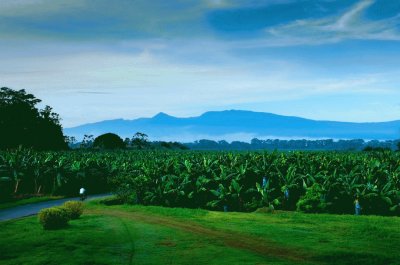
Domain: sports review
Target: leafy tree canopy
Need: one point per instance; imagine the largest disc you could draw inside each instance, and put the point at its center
(109, 141)
(23, 124)
(140, 141)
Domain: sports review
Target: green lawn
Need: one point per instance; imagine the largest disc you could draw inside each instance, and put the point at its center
(156, 235)
(11, 204)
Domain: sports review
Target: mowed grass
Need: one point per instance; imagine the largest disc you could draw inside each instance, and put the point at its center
(326, 238)
(157, 235)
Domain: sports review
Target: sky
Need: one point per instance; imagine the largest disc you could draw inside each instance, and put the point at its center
(94, 60)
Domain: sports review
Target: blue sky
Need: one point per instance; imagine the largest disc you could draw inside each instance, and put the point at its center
(96, 59)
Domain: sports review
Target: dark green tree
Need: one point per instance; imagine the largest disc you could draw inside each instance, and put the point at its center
(87, 141)
(108, 141)
(23, 124)
(140, 141)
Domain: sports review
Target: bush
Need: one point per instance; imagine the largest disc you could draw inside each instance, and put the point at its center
(269, 209)
(109, 141)
(129, 189)
(313, 201)
(53, 218)
(112, 201)
(74, 208)
(6, 187)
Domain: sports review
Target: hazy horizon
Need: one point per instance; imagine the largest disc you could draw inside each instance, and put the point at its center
(101, 60)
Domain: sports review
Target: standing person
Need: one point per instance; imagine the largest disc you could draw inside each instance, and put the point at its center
(357, 206)
(82, 193)
(264, 182)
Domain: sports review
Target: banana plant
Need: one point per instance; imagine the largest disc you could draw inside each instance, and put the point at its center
(222, 195)
(59, 173)
(199, 194)
(266, 195)
(18, 163)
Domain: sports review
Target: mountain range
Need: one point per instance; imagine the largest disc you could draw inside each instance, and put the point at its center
(231, 125)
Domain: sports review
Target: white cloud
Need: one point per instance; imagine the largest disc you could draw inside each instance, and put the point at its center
(346, 26)
(351, 16)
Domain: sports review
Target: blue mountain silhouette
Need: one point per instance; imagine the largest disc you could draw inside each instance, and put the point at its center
(240, 124)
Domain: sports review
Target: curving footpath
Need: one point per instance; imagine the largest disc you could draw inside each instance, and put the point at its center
(34, 208)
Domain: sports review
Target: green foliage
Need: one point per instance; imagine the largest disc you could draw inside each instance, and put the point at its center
(109, 201)
(74, 208)
(267, 209)
(140, 141)
(87, 141)
(213, 179)
(23, 124)
(54, 218)
(168, 145)
(313, 201)
(108, 141)
(376, 149)
(128, 189)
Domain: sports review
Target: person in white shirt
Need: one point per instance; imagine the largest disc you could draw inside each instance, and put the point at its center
(82, 193)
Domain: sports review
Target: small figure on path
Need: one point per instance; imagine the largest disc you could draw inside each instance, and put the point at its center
(82, 193)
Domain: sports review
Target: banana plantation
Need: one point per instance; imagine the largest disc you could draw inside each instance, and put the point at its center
(242, 181)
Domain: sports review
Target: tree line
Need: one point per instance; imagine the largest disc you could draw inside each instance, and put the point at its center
(303, 144)
(111, 141)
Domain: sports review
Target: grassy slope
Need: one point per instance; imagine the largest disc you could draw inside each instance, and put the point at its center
(155, 235)
(31, 200)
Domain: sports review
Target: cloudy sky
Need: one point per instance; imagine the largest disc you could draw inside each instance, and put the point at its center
(93, 60)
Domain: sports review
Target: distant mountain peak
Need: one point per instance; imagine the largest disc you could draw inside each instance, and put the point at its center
(162, 115)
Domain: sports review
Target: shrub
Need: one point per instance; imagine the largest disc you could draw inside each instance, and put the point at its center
(269, 209)
(109, 141)
(313, 201)
(129, 189)
(53, 218)
(74, 208)
(111, 201)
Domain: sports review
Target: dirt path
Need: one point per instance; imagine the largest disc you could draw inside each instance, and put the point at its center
(231, 239)
(34, 208)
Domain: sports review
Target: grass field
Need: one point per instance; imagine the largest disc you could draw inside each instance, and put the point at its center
(156, 235)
